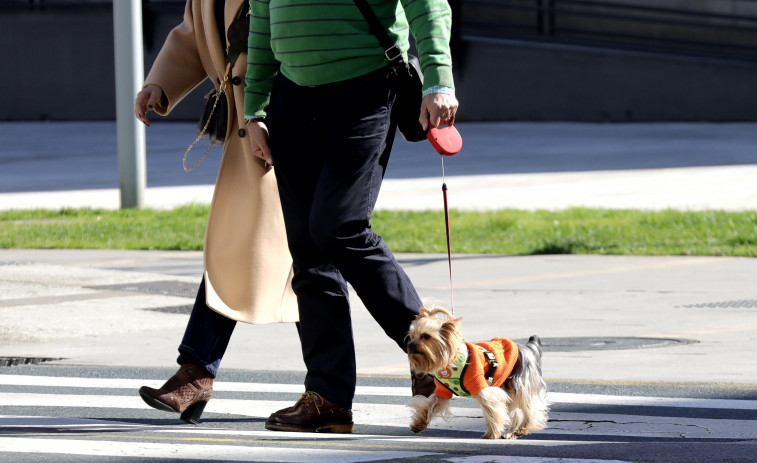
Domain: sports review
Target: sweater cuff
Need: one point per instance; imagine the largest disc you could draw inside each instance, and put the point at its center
(439, 89)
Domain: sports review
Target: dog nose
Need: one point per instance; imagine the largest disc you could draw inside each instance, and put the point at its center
(411, 347)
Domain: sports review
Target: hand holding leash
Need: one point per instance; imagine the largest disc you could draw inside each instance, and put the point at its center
(436, 109)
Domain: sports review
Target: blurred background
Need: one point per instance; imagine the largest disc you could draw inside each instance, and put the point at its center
(516, 60)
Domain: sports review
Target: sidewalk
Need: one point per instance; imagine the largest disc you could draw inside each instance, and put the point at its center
(602, 318)
(609, 318)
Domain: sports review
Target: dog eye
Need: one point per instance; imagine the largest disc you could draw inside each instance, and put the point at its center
(425, 336)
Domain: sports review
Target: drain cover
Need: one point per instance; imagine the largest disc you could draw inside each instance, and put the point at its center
(609, 343)
(740, 304)
(165, 288)
(13, 361)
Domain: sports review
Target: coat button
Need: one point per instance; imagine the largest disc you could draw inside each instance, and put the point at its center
(236, 80)
(242, 133)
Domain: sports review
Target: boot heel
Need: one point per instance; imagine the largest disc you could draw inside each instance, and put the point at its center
(192, 414)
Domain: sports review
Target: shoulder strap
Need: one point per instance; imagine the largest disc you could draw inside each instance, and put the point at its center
(391, 50)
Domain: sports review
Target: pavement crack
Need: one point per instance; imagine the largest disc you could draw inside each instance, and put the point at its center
(589, 424)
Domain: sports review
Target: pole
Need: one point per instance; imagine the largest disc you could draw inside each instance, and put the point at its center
(127, 32)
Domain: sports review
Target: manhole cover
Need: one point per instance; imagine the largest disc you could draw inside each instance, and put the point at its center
(609, 343)
(13, 361)
(740, 304)
(165, 288)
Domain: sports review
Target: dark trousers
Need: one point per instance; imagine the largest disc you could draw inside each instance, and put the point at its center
(330, 146)
(206, 337)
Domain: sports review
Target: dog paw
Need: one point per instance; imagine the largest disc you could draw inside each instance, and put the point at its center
(491, 435)
(418, 425)
(416, 428)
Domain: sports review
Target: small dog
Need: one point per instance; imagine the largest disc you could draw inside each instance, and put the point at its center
(504, 377)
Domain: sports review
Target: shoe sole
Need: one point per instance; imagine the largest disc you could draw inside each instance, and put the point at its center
(341, 428)
(155, 403)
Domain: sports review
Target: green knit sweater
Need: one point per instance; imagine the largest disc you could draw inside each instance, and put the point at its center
(319, 42)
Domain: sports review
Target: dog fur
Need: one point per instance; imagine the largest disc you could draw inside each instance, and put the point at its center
(517, 407)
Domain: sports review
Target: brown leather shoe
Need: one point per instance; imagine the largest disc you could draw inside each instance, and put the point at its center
(312, 413)
(187, 392)
(422, 384)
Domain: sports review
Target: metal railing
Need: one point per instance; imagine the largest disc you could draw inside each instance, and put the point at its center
(712, 28)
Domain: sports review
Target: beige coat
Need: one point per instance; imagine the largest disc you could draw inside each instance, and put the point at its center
(248, 268)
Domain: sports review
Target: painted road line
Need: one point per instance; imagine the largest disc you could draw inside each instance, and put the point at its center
(197, 451)
(600, 399)
(464, 419)
(554, 397)
(57, 425)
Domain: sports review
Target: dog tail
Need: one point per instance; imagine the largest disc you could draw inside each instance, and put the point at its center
(534, 345)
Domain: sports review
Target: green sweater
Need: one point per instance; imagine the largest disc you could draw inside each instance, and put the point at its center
(319, 42)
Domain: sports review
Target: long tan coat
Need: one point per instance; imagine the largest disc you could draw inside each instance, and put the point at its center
(248, 268)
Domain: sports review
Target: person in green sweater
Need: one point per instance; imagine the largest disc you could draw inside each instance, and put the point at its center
(318, 106)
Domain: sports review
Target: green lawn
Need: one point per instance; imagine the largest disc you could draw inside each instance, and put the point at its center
(573, 231)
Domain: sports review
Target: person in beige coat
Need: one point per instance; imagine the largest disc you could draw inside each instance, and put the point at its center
(247, 265)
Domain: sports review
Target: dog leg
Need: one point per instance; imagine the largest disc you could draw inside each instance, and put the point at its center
(494, 403)
(425, 409)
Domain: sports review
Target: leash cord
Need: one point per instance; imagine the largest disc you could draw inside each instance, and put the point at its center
(449, 248)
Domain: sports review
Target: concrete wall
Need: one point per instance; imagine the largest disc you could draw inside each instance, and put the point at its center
(58, 65)
(510, 80)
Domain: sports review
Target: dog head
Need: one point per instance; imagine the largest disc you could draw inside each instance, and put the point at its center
(434, 340)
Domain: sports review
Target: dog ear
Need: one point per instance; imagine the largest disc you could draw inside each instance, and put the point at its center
(450, 330)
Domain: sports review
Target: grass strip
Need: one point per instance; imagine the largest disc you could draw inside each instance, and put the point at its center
(512, 232)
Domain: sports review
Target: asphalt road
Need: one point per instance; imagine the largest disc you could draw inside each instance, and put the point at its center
(93, 414)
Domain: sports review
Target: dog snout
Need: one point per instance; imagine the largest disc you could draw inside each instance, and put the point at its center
(412, 348)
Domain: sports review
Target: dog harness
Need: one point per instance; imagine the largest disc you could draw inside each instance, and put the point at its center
(477, 366)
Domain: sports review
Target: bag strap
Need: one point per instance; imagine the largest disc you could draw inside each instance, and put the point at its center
(392, 52)
(216, 96)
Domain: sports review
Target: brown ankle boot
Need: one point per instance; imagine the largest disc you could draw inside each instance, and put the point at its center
(187, 392)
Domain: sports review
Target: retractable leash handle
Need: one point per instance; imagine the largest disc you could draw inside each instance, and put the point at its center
(447, 142)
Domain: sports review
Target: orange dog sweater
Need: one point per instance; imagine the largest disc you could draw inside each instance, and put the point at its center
(467, 374)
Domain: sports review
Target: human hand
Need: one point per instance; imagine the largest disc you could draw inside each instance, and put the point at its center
(436, 109)
(145, 101)
(258, 134)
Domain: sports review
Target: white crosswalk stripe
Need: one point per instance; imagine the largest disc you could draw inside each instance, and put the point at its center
(32, 434)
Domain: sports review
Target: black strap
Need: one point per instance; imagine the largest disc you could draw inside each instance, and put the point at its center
(493, 365)
(391, 50)
(237, 34)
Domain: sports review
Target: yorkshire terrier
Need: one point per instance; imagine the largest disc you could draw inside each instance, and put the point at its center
(504, 377)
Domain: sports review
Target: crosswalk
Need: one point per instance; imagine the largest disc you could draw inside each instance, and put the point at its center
(71, 418)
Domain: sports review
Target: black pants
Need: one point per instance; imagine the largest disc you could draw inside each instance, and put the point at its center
(330, 146)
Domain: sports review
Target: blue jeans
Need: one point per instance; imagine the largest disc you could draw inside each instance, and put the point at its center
(330, 146)
(206, 337)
